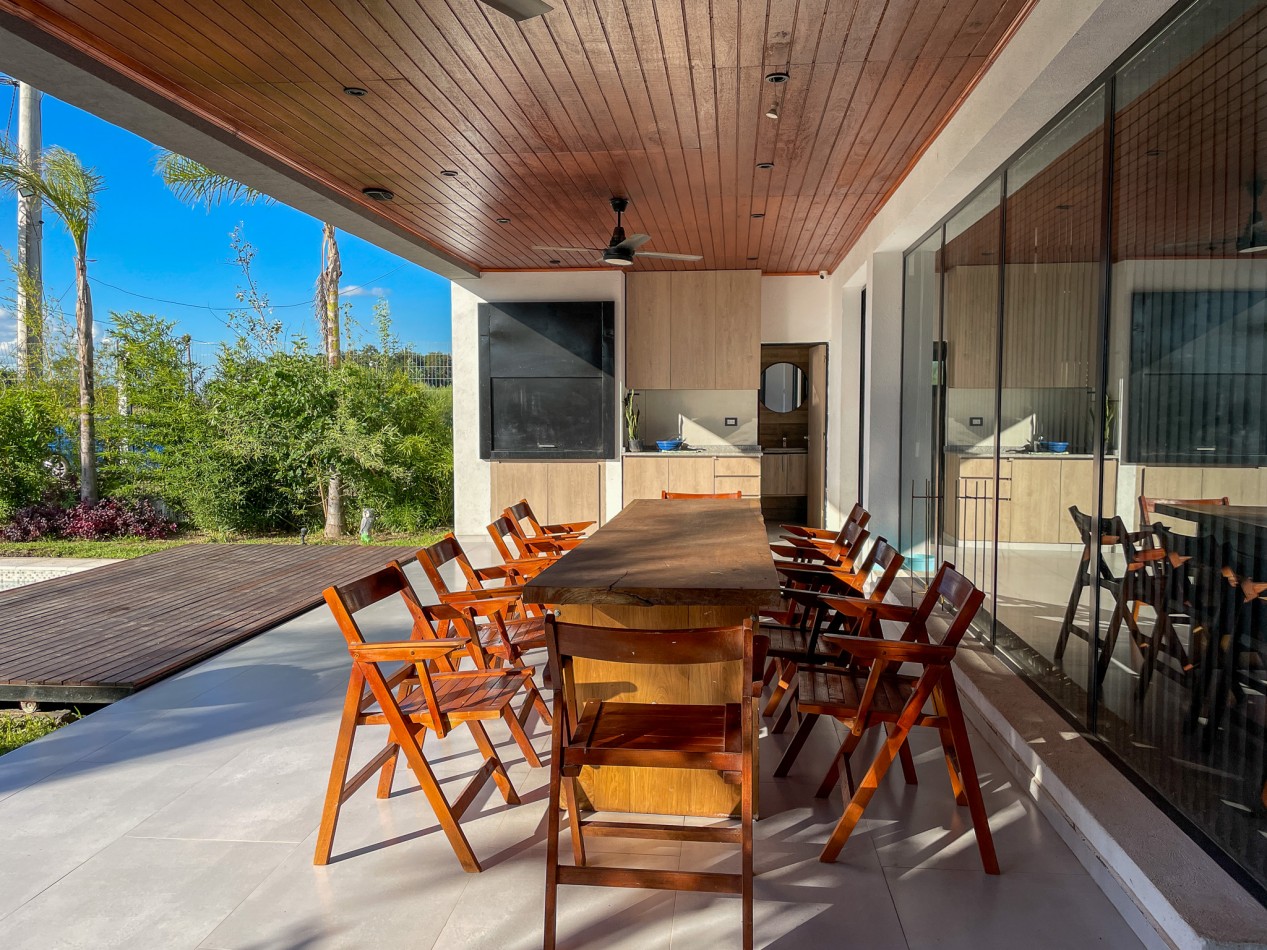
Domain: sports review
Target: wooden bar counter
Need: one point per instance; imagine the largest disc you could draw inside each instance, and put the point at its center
(664, 565)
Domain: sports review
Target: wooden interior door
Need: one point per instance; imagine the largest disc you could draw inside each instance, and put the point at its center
(816, 477)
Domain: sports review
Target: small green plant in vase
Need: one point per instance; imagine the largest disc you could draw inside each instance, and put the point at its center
(631, 421)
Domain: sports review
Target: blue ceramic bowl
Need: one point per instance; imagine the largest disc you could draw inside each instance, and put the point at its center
(1056, 446)
(668, 445)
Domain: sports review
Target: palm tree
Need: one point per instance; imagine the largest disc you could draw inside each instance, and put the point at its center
(195, 183)
(70, 191)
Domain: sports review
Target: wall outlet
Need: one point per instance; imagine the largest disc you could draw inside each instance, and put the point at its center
(732, 420)
(976, 421)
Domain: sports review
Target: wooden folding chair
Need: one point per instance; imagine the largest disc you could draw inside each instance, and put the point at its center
(523, 562)
(857, 515)
(1148, 507)
(537, 538)
(872, 691)
(425, 694)
(665, 494)
(657, 735)
(840, 552)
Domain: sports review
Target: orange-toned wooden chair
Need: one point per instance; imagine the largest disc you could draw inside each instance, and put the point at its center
(1148, 507)
(857, 515)
(522, 511)
(839, 553)
(795, 644)
(537, 538)
(426, 694)
(717, 738)
(872, 691)
(687, 495)
(520, 558)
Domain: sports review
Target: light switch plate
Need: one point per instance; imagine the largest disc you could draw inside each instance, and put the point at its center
(976, 421)
(732, 420)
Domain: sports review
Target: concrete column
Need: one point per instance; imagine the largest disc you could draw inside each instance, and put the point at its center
(883, 354)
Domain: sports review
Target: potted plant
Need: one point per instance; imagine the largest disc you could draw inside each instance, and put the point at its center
(631, 421)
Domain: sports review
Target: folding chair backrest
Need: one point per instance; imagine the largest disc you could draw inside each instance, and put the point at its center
(348, 599)
(501, 529)
(1148, 506)
(435, 556)
(959, 596)
(521, 511)
(849, 542)
(1193, 567)
(888, 560)
(858, 515)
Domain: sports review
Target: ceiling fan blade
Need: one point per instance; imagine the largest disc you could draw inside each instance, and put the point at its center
(672, 257)
(519, 10)
(634, 241)
(569, 250)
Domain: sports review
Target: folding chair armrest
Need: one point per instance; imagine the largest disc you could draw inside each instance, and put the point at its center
(487, 606)
(877, 609)
(807, 532)
(542, 544)
(808, 552)
(462, 598)
(900, 651)
(407, 651)
(567, 527)
(492, 572)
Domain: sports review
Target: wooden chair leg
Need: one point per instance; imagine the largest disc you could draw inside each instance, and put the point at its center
(866, 790)
(435, 796)
(485, 745)
(521, 738)
(771, 668)
(907, 760)
(1071, 613)
(968, 769)
(573, 803)
(790, 709)
(339, 768)
(786, 678)
(797, 743)
(948, 751)
(833, 771)
(1110, 641)
(552, 831)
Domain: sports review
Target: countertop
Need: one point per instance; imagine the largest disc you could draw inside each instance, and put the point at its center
(1026, 455)
(753, 451)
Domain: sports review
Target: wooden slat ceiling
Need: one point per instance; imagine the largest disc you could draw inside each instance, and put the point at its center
(662, 101)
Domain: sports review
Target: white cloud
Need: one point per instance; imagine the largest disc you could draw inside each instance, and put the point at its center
(359, 290)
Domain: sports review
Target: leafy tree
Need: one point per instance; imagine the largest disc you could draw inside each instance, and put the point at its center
(29, 420)
(70, 190)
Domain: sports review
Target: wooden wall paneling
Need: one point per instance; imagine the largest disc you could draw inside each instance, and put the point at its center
(512, 481)
(693, 330)
(738, 330)
(645, 476)
(648, 319)
(575, 491)
(691, 474)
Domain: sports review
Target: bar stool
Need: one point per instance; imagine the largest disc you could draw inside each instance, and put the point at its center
(715, 738)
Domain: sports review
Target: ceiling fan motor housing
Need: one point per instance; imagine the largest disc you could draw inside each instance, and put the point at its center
(618, 255)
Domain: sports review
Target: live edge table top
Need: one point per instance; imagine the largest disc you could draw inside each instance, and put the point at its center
(677, 552)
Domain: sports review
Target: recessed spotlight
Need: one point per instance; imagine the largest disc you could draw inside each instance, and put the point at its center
(777, 78)
(555, 260)
(758, 214)
(355, 91)
(378, 194)
(449, 173)
(1063, 207)
(503, 220)
(765, 165)
(752, 258)
(1154, 152)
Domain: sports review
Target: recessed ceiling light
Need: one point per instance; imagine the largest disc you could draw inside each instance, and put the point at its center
(777, 78)
(378, 194)
(758, 214)
(449, 173)
(555, 260)
(503, 220)
(1063, 207)
(752, 258)
(355, 91)
(1154, 152)
(765, 165)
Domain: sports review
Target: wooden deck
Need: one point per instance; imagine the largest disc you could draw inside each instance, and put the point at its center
(96, 636)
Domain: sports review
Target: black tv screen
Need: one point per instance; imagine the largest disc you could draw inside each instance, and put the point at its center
(547, 387)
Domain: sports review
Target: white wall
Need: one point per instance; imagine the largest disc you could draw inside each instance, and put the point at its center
(472, 475)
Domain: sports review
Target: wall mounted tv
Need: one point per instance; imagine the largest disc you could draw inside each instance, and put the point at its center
(547, 383)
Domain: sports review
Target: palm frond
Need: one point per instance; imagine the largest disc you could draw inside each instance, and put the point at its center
(195, 184)
(61, 180)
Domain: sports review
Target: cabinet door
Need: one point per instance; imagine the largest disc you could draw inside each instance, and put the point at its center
(645, 477)
(751, 487)
(795, 473)
(693, 330)
(691, 475)
(1036, 513)
(738, 347)
(575, 492)
(773, 480)
(512, 481)
(647, 320)
(745, 466)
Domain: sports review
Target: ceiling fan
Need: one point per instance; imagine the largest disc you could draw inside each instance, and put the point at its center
(1251, 240)
(621, 250)
(519, 10)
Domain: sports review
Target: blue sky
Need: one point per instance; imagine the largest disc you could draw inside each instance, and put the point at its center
(145, 243)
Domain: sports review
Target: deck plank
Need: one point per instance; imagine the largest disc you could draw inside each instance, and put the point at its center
(106, 632)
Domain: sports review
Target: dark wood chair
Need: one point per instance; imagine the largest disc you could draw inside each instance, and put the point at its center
(796, 643)
(522, 564)
(536, 538)
(857, 515)
(873, 691)
(521, 511)
(715, 738)
(686, 494)
(838, 553)
(425, 694)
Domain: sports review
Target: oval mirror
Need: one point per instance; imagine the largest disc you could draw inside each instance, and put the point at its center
(782, 387)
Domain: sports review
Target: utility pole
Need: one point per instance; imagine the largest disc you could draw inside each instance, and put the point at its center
(30, 295)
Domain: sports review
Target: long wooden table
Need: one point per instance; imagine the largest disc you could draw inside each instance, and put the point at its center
(664, 565)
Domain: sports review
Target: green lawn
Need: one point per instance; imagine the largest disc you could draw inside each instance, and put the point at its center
(18, 730)
(135, 547)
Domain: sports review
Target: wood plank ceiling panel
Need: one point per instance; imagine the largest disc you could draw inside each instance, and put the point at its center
(662, 101)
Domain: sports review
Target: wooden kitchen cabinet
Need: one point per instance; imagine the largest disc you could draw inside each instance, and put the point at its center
(645, 476)
(773, 477)
(795, 473)
(693, 475)
(693, 330)
(784, 474)
(558, 491)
